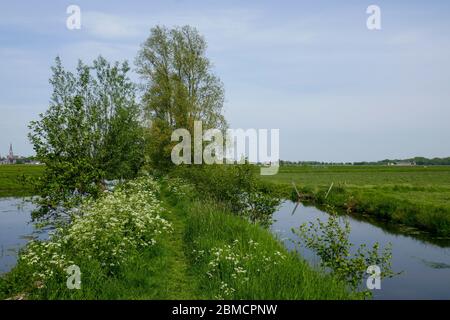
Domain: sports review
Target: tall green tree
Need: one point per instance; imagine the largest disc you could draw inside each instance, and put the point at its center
(90, 132)
(179, 87)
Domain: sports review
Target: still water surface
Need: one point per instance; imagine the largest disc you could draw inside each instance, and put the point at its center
(16, 229)
(425, 262)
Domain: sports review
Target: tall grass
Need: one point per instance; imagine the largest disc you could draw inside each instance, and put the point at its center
(234, 259)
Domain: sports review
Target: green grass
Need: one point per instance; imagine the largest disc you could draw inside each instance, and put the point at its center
(415, 196)
(173, 269)
(210, 226)
(11, 176)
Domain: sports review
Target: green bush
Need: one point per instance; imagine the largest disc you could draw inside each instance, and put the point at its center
(330, 241)
(235, 186)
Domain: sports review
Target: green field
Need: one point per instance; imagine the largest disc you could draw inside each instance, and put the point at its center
(11, 184)
(416, 196)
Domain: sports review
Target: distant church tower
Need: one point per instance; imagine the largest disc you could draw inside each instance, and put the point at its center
(11, 158)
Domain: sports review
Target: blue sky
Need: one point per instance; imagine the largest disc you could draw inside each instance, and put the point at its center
(336, 91)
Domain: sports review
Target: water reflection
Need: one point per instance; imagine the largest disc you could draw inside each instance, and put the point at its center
(424, 261)
(16, 230)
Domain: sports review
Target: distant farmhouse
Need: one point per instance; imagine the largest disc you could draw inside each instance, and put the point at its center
(11, 158)
(403, 163)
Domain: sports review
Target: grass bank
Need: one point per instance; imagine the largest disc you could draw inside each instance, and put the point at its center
(414, 196)
(148, 242)
(11, 179)
(234, 259)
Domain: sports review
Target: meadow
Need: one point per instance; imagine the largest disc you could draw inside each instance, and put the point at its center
(416, 196)
(12, 182)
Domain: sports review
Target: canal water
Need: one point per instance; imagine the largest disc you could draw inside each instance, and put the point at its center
(16, 229)
(424, 261)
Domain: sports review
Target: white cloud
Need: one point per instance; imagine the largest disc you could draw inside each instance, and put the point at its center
(222, 28)
(110, 26)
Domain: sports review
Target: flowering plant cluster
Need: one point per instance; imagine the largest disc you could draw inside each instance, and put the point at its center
(105, 230)
(232, 268)
(180, 188)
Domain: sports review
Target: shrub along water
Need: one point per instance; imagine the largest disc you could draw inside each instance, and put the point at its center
(330, 241)
(236, 187)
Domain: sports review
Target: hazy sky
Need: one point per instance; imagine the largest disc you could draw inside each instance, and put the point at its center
(336, 90)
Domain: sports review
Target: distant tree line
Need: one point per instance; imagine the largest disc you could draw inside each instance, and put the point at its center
(420, 161)
(313, 163)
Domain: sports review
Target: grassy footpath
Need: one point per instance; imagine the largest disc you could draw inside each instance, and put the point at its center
(414, 196)
(11, 179)
(233, 259)
(208, 254)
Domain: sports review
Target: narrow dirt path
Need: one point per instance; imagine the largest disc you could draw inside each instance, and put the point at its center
(181, 284)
